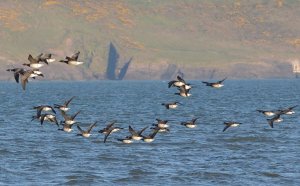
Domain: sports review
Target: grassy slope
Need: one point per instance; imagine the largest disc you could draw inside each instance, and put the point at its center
(189, 33)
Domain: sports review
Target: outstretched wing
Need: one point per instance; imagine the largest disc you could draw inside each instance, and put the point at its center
(74, 116)
(180, 79)
(91, 127)
(171, 83)
(75, 56)
(132, 131)
(31, 59)
(194, 120)
(110, 125)
(206, 83)
(222, 80)
(68, 101)
(271, 121)
(142, 130)
(154, 133)
(24, 78)
(64, 115)
(107, 134)
(39, 56)
(226, 127)
(79, 128)
(55, 120)
(17, 75)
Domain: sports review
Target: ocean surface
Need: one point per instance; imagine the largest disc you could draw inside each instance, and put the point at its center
(250, 154)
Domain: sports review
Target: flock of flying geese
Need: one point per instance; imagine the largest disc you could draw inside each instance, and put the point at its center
(43, 111)
(36, 63)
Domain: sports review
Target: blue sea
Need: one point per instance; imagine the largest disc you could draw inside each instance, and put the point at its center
(250, 154)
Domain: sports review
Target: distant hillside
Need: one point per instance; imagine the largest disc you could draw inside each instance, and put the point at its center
(202, 39)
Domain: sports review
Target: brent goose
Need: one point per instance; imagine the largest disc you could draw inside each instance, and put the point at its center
(172, 105)
(65, 106)
(73, 60)
(161, 126)
(267, 112)
(46, 117)
(161, 123)
(150, 137)
(109, 127)
(288, 111)
(217, 84)
(108, 132)
(127, 139)
(34, 62)
(86, 133)
(47, 58)
(66, 127)
(177, 83)
(136, 135)
(50, 118)
(230, 124)
(190, 124)
(106, 129)
(183, 92)
(156, 127)
(69, 120)
(43, 108)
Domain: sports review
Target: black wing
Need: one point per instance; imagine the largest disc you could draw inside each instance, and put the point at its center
(74, 116)
(132, 131)
(222, 80)
(17, 75)
(226, 127)
(75, 56)
(52, 109)
(39, 111)
(110, 125)
(64, 115)
(42, 118)
(24, 78)
(140, 132)
(171, 83)
(31, 59)
(180, 79)
(293, 107)
(154, 133)
(56, 122)
(207, 83)
(194, 120)
(91, 127)
(166, 105)
(79, 128)
(47, 56)
(261, 111)
(271, 121)
(68, 101)
(107, 134)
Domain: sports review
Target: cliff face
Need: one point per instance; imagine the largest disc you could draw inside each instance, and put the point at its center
(202, 39)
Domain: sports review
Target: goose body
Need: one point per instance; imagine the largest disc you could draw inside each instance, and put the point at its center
(230, 124)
